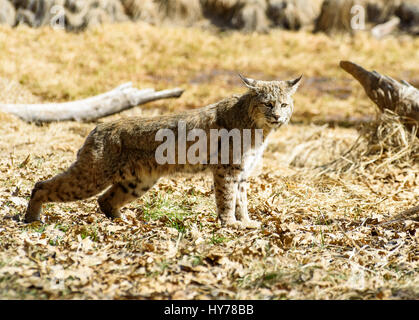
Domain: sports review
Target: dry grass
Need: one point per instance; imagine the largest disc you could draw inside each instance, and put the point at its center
(321, 236)
(62, 66)
(387, 145)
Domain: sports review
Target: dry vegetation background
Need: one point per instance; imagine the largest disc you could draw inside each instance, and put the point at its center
(325, 231)
(246, 15)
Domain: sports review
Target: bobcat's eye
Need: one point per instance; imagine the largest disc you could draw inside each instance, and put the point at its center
(270, 105)
(284, 105)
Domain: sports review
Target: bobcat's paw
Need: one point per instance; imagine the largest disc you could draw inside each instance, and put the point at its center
(251, 224)
(120, 219)
(33, 211)
(234, 224)
(35, 220)
(107, 209)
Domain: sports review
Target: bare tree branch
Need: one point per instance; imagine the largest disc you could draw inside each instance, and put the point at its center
(119, 99)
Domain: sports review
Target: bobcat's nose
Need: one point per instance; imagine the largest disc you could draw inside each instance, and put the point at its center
(276, 117)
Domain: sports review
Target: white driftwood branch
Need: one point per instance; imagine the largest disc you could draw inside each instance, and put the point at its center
(381, 30)
(114, 101)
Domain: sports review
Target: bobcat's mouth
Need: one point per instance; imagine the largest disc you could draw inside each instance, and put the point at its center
(275, 123)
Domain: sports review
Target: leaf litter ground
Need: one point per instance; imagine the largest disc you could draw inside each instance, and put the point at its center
(328, 228)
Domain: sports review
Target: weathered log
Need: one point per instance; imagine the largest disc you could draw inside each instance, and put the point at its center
(293, 14)
(71, 15)
(248, 16)
(387, 93)
(354, 15)
(7, 13)
(409, 16)
(119, 99)
(335, 16)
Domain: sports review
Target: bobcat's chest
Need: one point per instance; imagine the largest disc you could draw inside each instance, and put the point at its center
(252, 157)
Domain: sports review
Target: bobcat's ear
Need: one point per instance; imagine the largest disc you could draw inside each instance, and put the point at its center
(294, 84)
(250, 83)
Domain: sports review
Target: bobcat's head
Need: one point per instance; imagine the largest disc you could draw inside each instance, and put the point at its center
(271, 101)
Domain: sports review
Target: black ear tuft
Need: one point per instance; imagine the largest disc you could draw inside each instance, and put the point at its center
(294, 84)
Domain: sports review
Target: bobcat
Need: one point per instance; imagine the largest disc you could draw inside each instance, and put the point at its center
(122, 154)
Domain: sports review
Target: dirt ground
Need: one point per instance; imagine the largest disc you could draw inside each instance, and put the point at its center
(322, 234)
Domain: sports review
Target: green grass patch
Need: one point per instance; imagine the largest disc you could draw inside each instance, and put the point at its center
(161, 206)
(90, 232)
(217, 239)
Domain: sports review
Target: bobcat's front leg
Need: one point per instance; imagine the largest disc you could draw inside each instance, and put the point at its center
(225, 187)
(241, 206)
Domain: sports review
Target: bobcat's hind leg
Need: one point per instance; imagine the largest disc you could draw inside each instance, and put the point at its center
(74, 184)
(121, 193)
